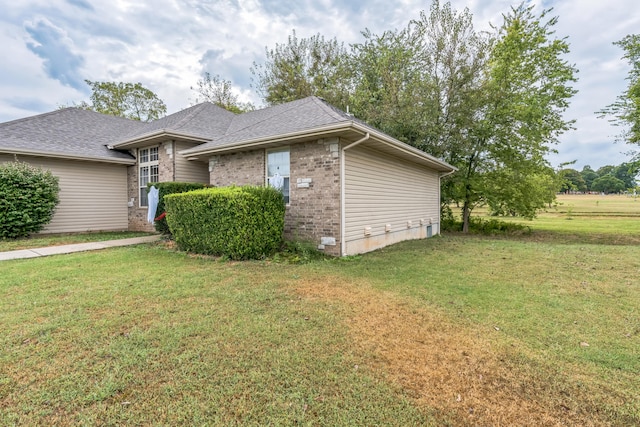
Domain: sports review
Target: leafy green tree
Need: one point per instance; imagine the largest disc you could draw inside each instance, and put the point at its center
(218, 91)
(425, 86)
(605, 170)
(608, 184)
(627, 172)
(491, 107)
(304, 67)
(519, 193)
(387, 85)
(526, 92)
(625, 111)
(571, 180)
(588, 175)
(129, 100)
(422, 84)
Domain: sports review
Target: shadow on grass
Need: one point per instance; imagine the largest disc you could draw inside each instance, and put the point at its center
(557, 237)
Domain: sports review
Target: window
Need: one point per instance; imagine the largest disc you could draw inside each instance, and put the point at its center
(148, 171)
(278, 170)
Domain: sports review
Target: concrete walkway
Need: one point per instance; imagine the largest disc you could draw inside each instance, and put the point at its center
(78, 247)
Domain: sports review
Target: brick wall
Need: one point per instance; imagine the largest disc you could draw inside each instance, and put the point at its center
(245, 168)
(313, 212)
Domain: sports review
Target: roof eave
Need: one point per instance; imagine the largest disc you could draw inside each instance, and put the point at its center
(196, 152)
(159, 135)
(39, 153)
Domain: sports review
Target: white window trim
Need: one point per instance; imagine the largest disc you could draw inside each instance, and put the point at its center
(146, 164)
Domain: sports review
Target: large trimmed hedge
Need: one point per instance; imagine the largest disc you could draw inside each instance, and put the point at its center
(28, 198)
(165, 188)
(237, 222)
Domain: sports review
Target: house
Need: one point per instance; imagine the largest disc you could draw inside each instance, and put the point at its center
(349, 188)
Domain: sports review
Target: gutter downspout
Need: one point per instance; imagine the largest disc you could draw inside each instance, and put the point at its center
(343, 244)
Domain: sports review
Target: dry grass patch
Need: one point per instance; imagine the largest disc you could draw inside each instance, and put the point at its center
(466, 378)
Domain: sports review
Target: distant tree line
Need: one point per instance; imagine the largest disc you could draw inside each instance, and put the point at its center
(607, 179)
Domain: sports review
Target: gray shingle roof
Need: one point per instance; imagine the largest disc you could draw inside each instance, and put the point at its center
(206, 120)
(295, 116)
(71, 132)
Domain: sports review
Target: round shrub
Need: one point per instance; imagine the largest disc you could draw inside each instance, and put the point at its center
(236, 222)
(28, 198)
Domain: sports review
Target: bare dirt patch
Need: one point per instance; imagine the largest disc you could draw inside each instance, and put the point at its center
(450, 370)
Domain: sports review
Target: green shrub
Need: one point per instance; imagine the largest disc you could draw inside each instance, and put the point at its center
(236, 222)
(298, 252)
(165, 188)
(496, 226)
(484, 226)
(28, 198)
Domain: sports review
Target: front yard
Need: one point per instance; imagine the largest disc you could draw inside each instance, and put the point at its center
(446, 331)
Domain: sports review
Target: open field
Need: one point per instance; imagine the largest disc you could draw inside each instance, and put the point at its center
(599, 205)
(458, 330)
(610, 219)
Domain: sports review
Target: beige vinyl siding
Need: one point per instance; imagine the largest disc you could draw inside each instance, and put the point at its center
(190, 171)
(382, 191)
(93, 195)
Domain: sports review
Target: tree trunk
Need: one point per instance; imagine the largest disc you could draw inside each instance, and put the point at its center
(466, 207)
(466, 214)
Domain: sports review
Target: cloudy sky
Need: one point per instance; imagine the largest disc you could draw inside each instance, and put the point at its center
(49, 47)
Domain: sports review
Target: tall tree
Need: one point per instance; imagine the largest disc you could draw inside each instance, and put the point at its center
(304, 67)
(422, 84)
(605, 170)
(452, 57)
(571, 180)
(589, 175)
(129, 100)
(608, 184)
(218, 91)
(625, 111)
(627, 173)
(491, 106)
(527, 90)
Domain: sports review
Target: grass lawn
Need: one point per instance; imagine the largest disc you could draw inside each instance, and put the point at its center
(454, 330)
